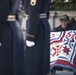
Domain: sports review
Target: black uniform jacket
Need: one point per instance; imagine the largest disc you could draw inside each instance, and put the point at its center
(71, 26)
(34, 8)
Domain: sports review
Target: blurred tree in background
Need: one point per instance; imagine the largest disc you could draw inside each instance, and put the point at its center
(62, 5)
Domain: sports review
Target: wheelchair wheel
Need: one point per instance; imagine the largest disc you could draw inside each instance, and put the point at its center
(74, 73)
(53, 72)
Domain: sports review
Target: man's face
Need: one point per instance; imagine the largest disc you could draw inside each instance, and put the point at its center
(64, 24)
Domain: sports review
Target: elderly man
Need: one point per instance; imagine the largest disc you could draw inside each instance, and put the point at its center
(65, 24)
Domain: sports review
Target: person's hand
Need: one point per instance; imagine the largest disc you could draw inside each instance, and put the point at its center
(30, 43)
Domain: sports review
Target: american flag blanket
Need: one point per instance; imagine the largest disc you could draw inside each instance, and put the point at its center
(63, 49)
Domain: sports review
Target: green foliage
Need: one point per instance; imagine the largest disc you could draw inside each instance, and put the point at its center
(63, 6)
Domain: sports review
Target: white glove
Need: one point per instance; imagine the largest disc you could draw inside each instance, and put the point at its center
(30, 43)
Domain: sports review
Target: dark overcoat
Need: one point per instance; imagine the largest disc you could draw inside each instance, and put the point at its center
(11, 41)
(37, 30)
(70, 26)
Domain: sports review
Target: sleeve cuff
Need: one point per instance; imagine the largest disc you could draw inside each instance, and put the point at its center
(11, 18)
(30, 37)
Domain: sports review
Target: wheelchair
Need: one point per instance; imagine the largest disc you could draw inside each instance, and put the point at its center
(63, 51)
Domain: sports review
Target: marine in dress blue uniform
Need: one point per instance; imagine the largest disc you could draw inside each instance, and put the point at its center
(37, 37)
(11, 40)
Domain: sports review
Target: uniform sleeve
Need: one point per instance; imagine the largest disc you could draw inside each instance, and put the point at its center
(14, 5)
(34, 11)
